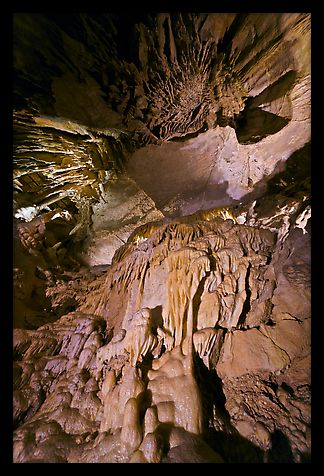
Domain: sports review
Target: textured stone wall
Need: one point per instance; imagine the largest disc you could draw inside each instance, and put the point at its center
(162, 220)
(120, 378)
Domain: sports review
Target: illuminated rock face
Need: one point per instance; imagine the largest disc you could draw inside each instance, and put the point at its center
(176, 113)
(162, 238)
(117, 393)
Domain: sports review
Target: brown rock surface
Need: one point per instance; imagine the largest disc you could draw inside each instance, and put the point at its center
(162, 238)
(148, 360)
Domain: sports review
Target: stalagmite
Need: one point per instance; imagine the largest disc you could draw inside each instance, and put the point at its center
(151, 448)
(175, 391)
(114, 401)
(162, 225)
(150, 420)
(131, 434)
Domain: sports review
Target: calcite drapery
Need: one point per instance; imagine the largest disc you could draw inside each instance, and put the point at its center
(216, 285)
(201, 328)
(137, 340)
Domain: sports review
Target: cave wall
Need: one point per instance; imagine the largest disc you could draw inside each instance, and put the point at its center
(162, 222)
(97, 96)
(123, 378)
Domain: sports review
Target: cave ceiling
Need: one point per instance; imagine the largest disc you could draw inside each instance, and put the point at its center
(120, 120)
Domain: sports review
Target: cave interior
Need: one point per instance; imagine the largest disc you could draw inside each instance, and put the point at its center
(161, 237)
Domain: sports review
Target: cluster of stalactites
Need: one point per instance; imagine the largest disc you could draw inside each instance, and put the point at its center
(171, 236)
(214, 277)
(187, 267)
(135, 341)
(218, 264)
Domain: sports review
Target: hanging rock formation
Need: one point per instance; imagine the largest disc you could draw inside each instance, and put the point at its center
(162, 220)
(195, 292)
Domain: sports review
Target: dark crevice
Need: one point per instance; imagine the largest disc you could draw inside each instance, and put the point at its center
(225, 44)
(227, 442)
(247, 302)
(280, 449)
(217, 348)
(157, 319)
(167, 50)
(253, 125)
(145, 366)
(287, 388)
(126, 39)
(270, 323)
(156, 130)
(190, 135)
(276, 90)
(212, 393)
(197, 300)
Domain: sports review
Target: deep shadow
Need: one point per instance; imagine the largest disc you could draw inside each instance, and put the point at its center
(127, 37)
(145, 366)
(225, 44)
(305, 458)
(186, 447)
(167, 50)
(247, 302)
(164, 430)
(253, 123)
(157, 319)
(226, 440)
(296, 174)
(290, 178)
(211, 392)
(144, 400)
(197, 299)
(233, 447)
(256, 124)
(280, 451)
(275, 90)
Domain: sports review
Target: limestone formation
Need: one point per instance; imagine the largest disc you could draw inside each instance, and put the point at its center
(145, 376)
(162, 227)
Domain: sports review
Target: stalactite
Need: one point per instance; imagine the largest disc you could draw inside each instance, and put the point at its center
(186, 268)
(216, 280)
(204, 341)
